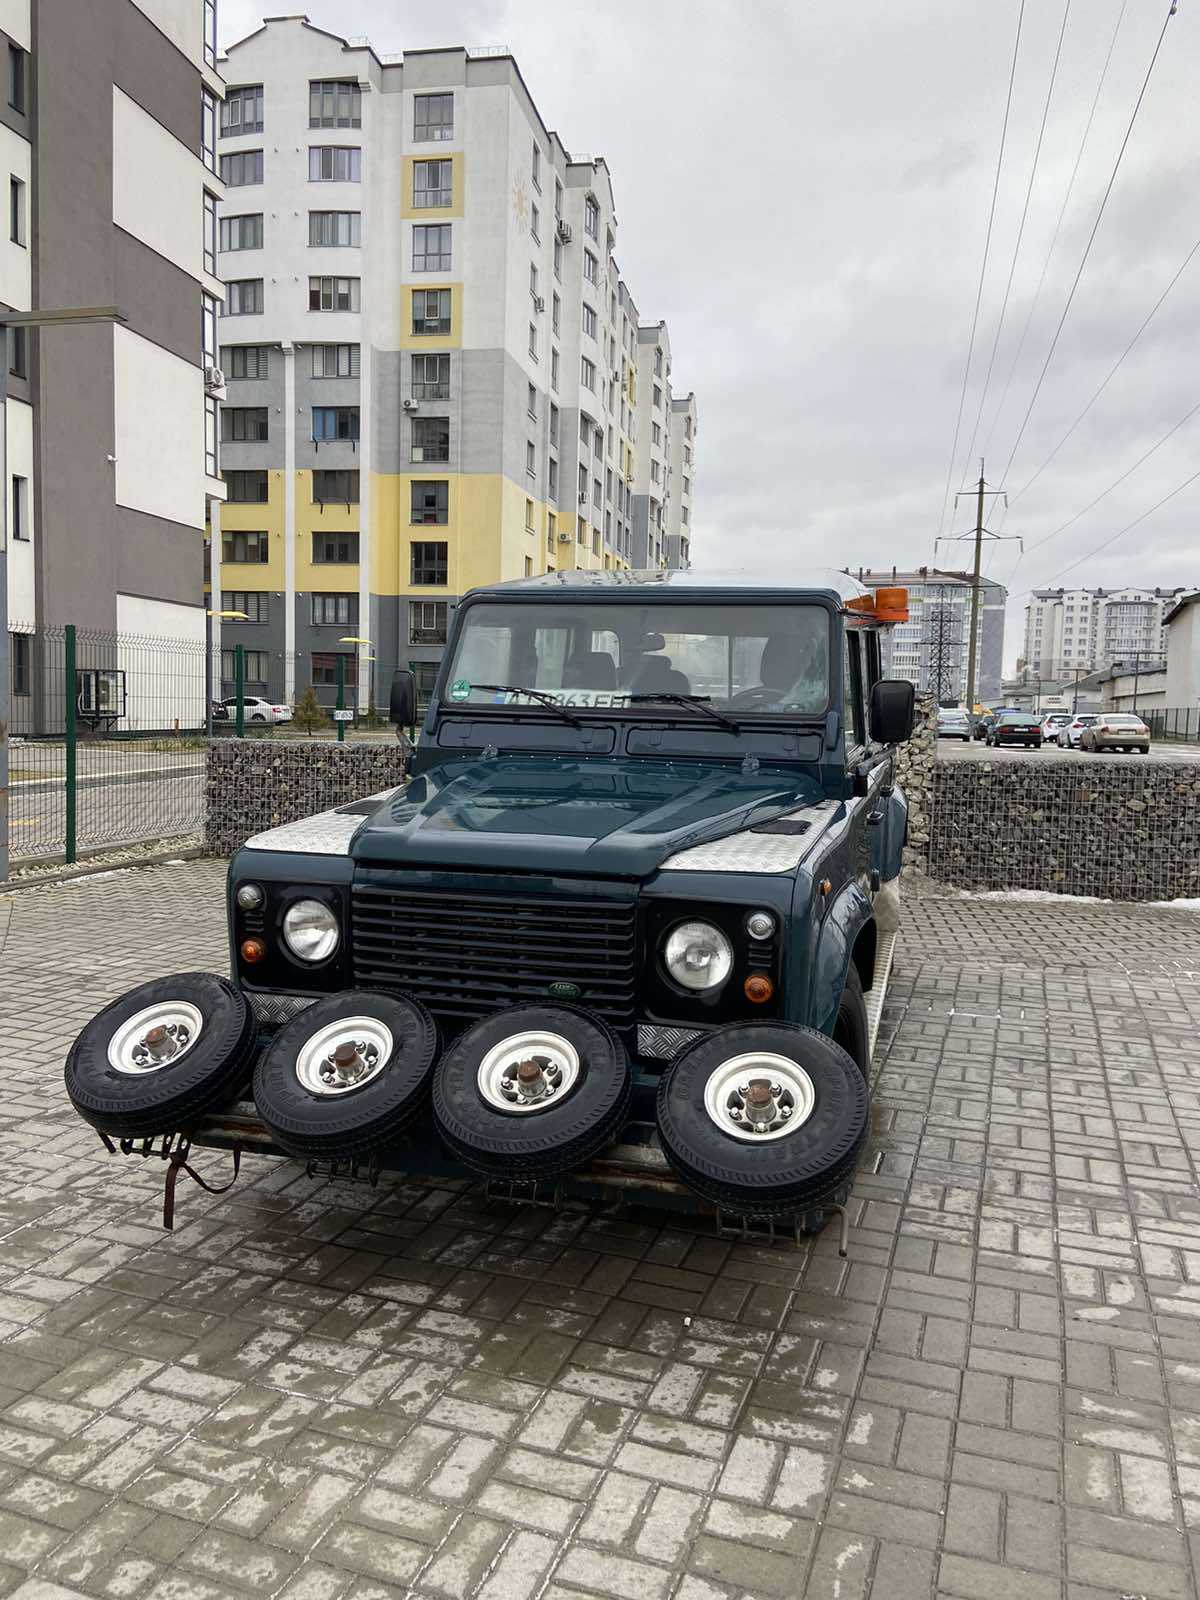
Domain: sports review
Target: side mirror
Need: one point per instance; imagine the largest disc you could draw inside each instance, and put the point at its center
(893, 702)
(402, 708)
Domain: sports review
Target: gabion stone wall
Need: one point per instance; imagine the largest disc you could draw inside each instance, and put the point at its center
(1121, 830)
(254, 784)
(914, 773)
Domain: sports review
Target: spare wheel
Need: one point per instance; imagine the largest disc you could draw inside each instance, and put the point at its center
(163, 1055)
(766, 1119)
(347, 1075)
(532, 1092)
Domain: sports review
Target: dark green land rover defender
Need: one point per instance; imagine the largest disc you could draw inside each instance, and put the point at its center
(626, 926)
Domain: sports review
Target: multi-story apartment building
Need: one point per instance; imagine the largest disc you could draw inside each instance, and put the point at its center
(1071, 629)
(683, 476)
(108, 120)
(932, 648)
(432, 362)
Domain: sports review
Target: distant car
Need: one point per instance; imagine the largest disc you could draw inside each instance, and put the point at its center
(1051, 723)
(219, 713)
(1015, 727)
(1071, 732)
(953, 723)
(983, 725)
(257, 709)
(1116, 732)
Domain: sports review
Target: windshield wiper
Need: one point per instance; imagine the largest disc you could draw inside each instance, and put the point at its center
(701, 702)
(534, 694)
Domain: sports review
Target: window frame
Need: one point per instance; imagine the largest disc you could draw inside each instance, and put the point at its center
(439, 260)
(445, 129)
(317, 224)
(347, 421)
(262, 545)
(442, 323)
(439, 490)
(318, 283)
(335, 87)
(235, 161)
(237, 97)
(325, 538)
(352, 163)
(443, 196)
(420, 564)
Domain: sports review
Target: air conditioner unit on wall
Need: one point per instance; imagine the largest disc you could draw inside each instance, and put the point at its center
(563, 230)
(214, 379)
(539, 303)
(564, 538)
(410, 405)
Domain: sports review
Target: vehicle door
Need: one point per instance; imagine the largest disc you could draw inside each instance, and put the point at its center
(869, 812)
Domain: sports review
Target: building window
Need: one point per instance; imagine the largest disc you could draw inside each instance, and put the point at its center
(430, 503)
(240, 233)
(334, 163)
(332, 423)
(241, 168)
(245, 361)
(431, 247)
(244, 424)
(552, 485)
(239, 546)
(334, 229)
(325, 669)
(431, 311)
(591, 218)
(553, 423)
(529, 516)
(246, 487)
(16, 210)
(535, 224)
(336, 485)
(210, 233)
(430, 377)
(17, 353)
(19, 656)
(254, 667)
(558, 257)
(590, 266)
(589, 320)
(335, 549)
(655, 433)
(334, 103)
(20, 507)
(657, 398)
(587, 373)
(556, 315)
(16, 78)
(243, 297)
(335, 361)
(433, 183)
(333, 294)
(433, 117)
(536, 171)
(551, 531)
(210, 436)
(333, 609)
(658, 362)
(242, 109)
(208, 129)
(427, 621)
(554, 370)
(430, 439)
(533, 341)
(531, 402)
(208, 326)
(429, 561)
(530, 458)
(255, 603)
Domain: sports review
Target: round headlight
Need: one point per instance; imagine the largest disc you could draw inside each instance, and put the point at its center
(760, 924)
(310, 930)
(698, 956)
(249, 897)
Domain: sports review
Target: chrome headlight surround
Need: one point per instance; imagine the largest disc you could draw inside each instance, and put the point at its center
(310, 931)
(698, 956)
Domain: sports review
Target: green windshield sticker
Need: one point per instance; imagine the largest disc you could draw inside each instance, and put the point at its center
(460, 689)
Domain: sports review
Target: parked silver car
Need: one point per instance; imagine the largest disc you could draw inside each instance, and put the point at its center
(953, 723)
(1116, 732)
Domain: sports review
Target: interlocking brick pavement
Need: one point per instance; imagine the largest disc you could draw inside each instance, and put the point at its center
(320, 1391)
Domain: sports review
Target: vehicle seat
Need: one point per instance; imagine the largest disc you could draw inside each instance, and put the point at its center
(590, 669)
(788, 661)
(656, 675)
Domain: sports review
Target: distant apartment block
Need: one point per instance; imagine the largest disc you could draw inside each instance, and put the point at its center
(435, 374)
(932, 648)
(1071, 629)
(108, 131)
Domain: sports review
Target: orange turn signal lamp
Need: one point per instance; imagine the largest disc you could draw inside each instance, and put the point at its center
(758, 988)
(886, 606)
(253, 951)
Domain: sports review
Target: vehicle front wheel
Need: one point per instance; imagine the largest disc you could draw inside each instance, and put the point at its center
(850, 1029)
(1145, 749)
(765, 1119)
(531, 1092)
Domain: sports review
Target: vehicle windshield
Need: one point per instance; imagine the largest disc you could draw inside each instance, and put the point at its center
(743, 659)
(1020, 719)
(1124, 722)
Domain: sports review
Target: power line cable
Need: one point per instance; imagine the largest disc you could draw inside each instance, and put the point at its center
(1062, 211)
(987, 243)
(1087, 250)
(1012, 266)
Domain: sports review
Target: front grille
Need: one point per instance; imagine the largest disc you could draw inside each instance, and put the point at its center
(465, 953)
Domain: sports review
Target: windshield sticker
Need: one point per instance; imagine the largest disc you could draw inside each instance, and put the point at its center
(460, 689)
(567, 697)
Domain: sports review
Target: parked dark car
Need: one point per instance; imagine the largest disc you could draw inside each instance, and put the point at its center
(1016, 727)
(983, 726)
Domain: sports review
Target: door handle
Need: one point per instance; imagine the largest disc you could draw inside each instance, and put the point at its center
(875, 817)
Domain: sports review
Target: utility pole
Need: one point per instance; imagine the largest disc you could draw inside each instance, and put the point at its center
(981, 492)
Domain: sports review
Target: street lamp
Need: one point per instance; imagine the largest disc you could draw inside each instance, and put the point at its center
(67, 317)
(235, 616)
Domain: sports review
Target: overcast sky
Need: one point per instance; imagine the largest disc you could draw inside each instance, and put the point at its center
(803, 193)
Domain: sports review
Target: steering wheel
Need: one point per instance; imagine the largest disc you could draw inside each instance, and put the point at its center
(757, 696)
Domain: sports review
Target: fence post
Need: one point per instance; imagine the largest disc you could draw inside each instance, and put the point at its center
(70, 690)
(341, 697)
(239, 677)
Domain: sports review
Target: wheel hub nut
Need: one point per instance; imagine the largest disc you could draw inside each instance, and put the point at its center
(348, 1063)
(760, 1102)
(159, 1042)
(531, 1080)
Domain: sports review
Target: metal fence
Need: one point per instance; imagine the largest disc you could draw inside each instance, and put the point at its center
(1175, 722)
(109, 733)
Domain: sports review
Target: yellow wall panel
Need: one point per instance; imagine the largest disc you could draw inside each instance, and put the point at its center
(431, 341)
(237, 517)
(326, 577)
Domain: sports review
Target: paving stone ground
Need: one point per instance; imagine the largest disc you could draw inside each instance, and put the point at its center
(327, 1392)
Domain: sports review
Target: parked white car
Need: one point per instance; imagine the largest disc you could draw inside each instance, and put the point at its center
(257, 709)
(1052, 725)
(1069, 733)
(953, 723)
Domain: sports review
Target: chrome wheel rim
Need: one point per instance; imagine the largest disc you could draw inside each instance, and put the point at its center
(528, 1072)
(759, 1096)
(344, 1055)
(155, 1037)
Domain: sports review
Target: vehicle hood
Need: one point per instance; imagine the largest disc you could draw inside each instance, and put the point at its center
(608, 817)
